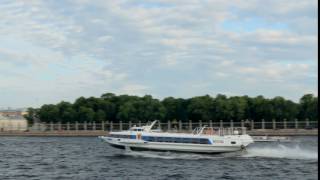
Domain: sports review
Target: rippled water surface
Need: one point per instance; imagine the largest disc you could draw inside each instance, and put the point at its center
(90, 158)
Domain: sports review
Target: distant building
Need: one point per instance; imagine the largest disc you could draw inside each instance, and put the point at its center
(13, 122)
(13, 112)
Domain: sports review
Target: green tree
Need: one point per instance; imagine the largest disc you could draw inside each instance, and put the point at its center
(200, 108)
(134, 108)
(85, 114)
(32, 115)
(222, 108)
(283, 109)
(109, 108)
(128, 112)
(308, 107)
(175, 108)
(48, 113)
(66, 112)
(81, 101)
(149, 109)
(108, 96)
(100, 116)
(238, 106)
(143, 109)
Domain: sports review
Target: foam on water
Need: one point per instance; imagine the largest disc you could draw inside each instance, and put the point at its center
(170, 155)
(282, 151)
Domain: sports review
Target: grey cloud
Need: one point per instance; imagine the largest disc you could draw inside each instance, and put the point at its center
(108, 44)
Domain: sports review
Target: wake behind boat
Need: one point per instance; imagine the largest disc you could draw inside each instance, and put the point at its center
(271, 139)
(201, 140)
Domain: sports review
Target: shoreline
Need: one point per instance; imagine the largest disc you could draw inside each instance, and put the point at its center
(92, 133)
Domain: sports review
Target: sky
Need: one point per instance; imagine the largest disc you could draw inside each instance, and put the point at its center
(52, 51)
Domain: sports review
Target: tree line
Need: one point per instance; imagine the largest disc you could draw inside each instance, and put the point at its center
(110, 107)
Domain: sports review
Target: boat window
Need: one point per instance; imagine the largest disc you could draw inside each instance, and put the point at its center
(177, 140)
(233, 142)
(203, 141)
(146, 138)
(184, 140)
(120, 136)
(151, 138)
(166, 139)
(171, 139)
(195, 141)
(161, 139)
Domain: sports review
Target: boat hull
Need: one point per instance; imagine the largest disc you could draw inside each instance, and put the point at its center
(140, 145)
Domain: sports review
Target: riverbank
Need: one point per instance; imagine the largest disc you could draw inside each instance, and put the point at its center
(257, 132)
(283, 132)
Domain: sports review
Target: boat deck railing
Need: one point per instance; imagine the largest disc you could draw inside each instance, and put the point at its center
(233, 131)
(219, 131)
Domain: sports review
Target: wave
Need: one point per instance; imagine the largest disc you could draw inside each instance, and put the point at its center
(169, 155)
(282, 151)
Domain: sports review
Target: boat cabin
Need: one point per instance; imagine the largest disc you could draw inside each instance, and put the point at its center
(136, 128)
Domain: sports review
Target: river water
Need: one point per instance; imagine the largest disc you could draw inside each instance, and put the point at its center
(89, 158)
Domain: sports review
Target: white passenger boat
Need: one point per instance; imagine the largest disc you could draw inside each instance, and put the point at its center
(201, 140)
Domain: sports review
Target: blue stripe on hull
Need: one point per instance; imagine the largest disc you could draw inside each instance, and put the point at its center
(167, 139)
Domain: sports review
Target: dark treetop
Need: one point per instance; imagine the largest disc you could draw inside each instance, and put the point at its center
(134, 108)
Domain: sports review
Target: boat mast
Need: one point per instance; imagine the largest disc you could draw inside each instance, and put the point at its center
(148, 128)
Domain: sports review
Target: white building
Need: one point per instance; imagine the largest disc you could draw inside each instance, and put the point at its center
(13, 123)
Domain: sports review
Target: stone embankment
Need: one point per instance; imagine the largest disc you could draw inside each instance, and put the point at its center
(283, 132)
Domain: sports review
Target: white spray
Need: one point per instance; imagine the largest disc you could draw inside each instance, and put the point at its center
(282, 151)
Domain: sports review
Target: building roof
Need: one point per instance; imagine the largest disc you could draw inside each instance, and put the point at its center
(11, 117)
(12, 110)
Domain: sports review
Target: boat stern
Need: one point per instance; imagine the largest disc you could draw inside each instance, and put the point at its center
(246, 140)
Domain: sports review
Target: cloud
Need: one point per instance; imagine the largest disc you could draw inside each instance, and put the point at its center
(134, 89)
(166, 48)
